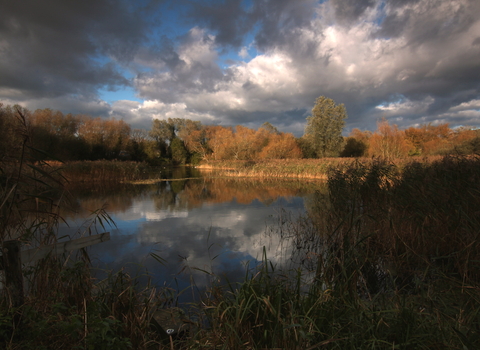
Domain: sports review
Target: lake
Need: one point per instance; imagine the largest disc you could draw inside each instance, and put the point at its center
(190, 224)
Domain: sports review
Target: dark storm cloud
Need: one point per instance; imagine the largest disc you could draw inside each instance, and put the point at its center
(278, 20)
(54, 48)
(231, 20)
(451, 75)
(409, 60)
(421, 21)
(348, 11)
(227, 19)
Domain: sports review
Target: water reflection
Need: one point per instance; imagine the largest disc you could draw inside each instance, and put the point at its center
(211, 224)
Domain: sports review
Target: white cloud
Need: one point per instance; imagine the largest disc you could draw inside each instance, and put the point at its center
(243, 53)
(466, 113)
(199, 48)
(144, 112)
(407, 106)
(470, 105)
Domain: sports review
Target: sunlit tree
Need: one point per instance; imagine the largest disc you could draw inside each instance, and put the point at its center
(281, 146)
(428, 139)
(388, 141)
(219, 140)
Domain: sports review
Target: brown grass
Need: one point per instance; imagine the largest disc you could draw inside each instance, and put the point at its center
(295, 168)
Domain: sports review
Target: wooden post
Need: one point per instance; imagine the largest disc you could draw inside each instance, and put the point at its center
(13, 259)
(13, 272)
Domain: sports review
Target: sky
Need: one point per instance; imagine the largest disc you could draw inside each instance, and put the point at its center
(244, 62)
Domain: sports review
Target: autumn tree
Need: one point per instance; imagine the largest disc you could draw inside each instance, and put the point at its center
(192, 133)
(281, 146)
(388, 141)
(219, 139)
(56, 134)
(428, 139)
(162, 132)
(165, 131)
(324, 127)
(243, 143)
(469, 144)
(196, 144)
(184, 127)
(116, 136)
(104, 137)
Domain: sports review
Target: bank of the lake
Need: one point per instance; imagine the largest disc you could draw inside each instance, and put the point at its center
(296, 168)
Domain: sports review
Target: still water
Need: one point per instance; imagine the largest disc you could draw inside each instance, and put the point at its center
(177, 229)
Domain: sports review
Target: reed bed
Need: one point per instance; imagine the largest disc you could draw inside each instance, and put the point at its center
(102, 171)
(293, 168)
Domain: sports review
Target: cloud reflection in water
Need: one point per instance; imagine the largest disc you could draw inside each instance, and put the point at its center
(210, 224)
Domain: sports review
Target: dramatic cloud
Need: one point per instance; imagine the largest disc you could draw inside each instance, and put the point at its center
(54, 48)
(246, 62)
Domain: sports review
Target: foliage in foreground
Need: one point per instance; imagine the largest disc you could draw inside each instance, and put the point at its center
(390, 260)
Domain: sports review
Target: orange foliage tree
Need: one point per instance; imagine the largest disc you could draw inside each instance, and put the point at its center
(281, 146)
(388, 141)
(219, 139)
(428, 139)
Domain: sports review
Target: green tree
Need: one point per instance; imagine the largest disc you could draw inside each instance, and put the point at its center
(162, 131)
(179, 153)
(269, 128)
(324, 127)
(354, 148)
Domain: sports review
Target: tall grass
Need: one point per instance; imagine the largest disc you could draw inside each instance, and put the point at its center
(425, 217)
(395, 265)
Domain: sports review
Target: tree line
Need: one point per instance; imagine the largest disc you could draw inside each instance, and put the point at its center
(180, 141)
(388, 141)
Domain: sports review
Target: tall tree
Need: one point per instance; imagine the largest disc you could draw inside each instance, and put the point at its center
(162, 131)
(324, 127)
